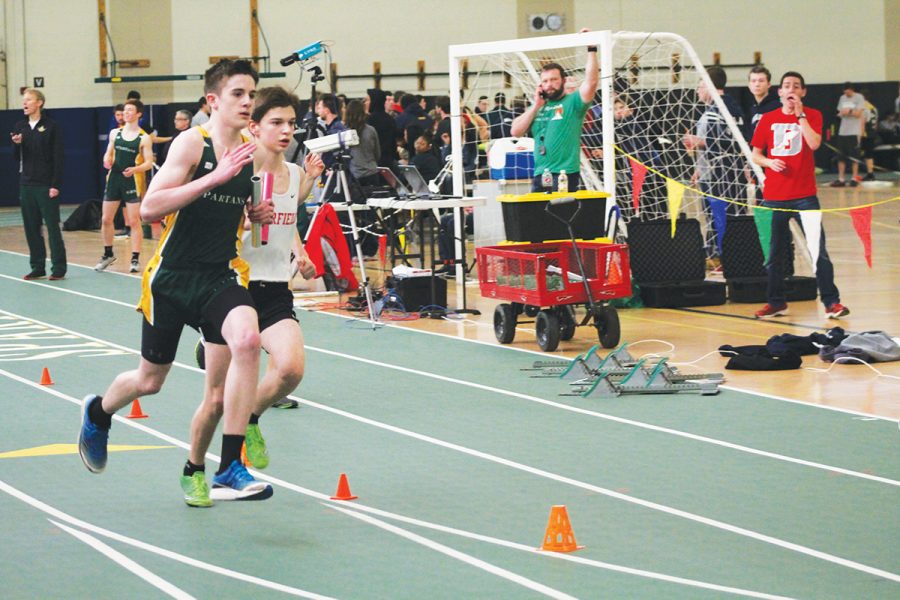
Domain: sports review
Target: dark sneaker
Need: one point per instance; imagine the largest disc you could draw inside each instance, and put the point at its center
(285, 403)
(196, 492)
(91, 439)
(837, 183)
(853, 183)
(35, 275)
(135, 266)
(768, 311)
(57, 276)
(105, 261)
(836, 311)
(235, 483)
(869, 177)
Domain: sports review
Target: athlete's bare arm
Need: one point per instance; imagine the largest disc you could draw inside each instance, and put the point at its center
(173, 189)
(110, 149)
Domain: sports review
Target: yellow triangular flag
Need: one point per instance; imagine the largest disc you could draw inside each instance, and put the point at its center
(676, 193)
(57, 449)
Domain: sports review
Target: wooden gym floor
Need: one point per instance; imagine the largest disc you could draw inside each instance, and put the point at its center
(689, 337)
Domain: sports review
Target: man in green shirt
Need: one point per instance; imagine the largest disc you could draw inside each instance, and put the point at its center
(556, 119)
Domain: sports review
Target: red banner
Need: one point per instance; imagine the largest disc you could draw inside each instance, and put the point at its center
(638, 173)
(862, 223)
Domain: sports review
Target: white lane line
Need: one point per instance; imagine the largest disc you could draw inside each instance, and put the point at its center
(622, 420)
(535, 399)
(445, 529)
(613, 494)
(466, 558)
(528, 469)
(68, 291)
(544, 355)
(58, 514)
(559, 356)
(125, 562)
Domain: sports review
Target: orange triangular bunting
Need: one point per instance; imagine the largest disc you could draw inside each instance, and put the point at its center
(559, 536)
(343, 489)
(136, 412)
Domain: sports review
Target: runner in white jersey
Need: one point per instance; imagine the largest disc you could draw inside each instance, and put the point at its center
(272, 124)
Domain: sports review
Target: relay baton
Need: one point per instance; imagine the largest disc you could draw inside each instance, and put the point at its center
(262, 190)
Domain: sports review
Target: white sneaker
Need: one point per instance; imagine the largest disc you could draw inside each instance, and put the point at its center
(135, 266)
(105, 261)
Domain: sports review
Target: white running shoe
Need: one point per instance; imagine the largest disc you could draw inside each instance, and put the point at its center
(105, 261)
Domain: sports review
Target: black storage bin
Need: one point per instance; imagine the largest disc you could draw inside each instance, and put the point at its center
(753, 289)
(671, 271)
(525, 220)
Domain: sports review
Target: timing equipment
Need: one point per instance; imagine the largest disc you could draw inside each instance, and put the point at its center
(303, 54)
(336, 141)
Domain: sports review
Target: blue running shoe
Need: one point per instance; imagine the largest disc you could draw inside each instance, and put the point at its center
(235, 483)
(91, 439)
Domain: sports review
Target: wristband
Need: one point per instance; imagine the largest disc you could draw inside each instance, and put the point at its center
(801, 116)
(592, 48)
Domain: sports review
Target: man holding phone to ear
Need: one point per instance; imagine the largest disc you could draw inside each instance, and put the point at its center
(556, 119)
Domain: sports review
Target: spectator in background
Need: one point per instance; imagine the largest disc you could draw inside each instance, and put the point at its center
(118, 115)
(38, 151)
(783, 144)
(500, 118)
(396, 108)
(329, 122)
(181, 122)
(202, 114)
(413, 121)
(764, 98)
(426, 160)
(481, 107)
(718, 169)
(869, 133)
(384, 125)
(850, 109)
(365, 155)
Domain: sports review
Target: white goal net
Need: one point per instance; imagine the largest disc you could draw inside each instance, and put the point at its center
(647, 132)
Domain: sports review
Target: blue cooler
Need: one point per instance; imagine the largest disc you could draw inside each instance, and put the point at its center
(511, 158)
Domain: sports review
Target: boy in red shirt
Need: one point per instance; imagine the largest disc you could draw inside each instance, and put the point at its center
(783, 144)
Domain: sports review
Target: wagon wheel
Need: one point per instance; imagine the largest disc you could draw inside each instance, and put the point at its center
(546, 326)
(504, 323)
(566, 322)
(606, 320)
(531, 311)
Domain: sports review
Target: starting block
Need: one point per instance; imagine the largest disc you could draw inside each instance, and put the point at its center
(658, 380)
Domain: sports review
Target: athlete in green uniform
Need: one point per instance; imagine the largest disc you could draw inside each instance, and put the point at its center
(555, 119)
(129, 155)
(196, 278)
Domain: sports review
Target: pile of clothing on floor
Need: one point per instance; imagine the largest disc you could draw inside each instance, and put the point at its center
(783, 352)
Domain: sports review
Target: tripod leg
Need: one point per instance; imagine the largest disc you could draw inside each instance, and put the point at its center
(359, 253)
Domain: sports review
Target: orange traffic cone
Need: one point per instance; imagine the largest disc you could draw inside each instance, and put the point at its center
(136, 412)
(559, 536)
(343, 490)
(614, 277)
(45, 377)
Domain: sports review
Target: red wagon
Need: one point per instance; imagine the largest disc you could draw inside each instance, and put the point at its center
(548, 281)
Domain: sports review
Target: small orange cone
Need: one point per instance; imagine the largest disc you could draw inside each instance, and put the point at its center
(614, 277)
(45, 377)
(559, 536)
(136, 412)
(343, 490)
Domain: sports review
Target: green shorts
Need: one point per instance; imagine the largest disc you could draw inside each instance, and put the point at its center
(172, 298)
(121, 188)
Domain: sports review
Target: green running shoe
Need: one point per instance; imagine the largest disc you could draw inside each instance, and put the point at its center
(255, 445)
(196, 492)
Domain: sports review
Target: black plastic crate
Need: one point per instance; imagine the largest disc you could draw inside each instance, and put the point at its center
(657, 257)
(675, 295)
(753, 289)
(526, 220)
(415, 292)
